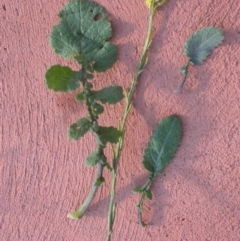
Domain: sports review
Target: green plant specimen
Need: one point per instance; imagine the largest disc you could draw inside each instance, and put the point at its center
(82, 35)
(153, 5)
(197, 48)
(159, 152)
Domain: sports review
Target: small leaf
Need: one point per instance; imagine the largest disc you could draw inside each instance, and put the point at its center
(137, 190)
(92, 159)
(162, 145)
(99, 181)
(109, 134)
(103, 159)
(62, 78)
(148, 194)
(183, 69)
(80, 96)
(79, 128)
(110, 95)
(97, 109)
(83, 36)
(199, 45)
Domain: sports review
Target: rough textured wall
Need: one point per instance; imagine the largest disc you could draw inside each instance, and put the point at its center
(42, 174)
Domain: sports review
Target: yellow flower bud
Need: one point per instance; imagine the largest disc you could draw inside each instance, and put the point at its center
(149, 2)
(156, 3)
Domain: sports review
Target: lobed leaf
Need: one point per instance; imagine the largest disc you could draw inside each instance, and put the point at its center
(109, 134)
(110, 95)
(62, 78)
(199, 45)
(82, 34)
(80, 128)
(162, 145)
(92, 159)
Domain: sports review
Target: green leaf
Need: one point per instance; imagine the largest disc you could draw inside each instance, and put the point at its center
(92, 159)
(109, 134)
(99, 181)
(110, 95)
(199, 45)
(80, 96)
(62, 78)
(162, 145)
(137, 190)
(97, 109)
(82, 34)
(148, 194)
(80, 128)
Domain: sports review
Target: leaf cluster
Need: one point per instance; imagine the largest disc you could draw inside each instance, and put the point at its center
(83, 34)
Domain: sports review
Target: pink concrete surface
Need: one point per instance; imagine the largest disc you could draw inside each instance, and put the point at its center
(42, 173)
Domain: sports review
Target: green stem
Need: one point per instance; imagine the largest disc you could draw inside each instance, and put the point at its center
(141, 66)
(82, 209)
(99, 179)
(140, 204)
(185, 74)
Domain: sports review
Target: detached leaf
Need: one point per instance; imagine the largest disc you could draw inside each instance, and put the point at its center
(62, 78)
(109, 134)
(82, 34)
(199, 45)
(110, 95)
(92, 159)
(80, 128)
(162, 145)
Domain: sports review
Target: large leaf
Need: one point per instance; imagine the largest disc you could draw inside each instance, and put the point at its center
(162, 145)
(81, 127)
(109, 134)
(110, 95)
(83, 33)
(62, 78)
(199, 45)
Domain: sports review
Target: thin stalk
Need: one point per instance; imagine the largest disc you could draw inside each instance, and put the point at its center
(140, 204)
(82, 209)
(185, 75)
(142, 63)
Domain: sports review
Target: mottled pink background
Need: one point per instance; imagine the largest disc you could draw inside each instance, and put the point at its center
(42, 173)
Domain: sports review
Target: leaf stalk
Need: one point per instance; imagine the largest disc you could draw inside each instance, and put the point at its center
(145, 188)
(184, 71)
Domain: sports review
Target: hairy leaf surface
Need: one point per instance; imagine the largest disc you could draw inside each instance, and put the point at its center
(83, 33)
(110, 95)
(62, 78)
(162, 145)
(109, 134)
(199, 45)
(78, 129)
(92, 159)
